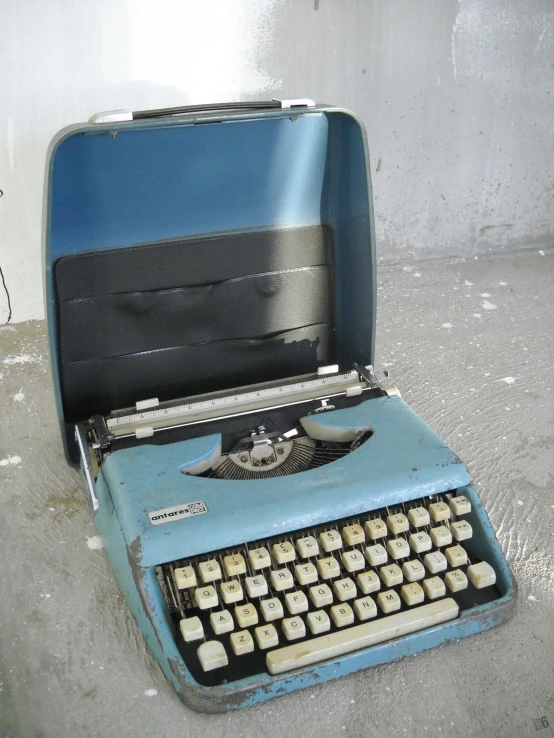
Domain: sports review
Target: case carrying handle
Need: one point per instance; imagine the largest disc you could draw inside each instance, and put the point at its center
(120, 116)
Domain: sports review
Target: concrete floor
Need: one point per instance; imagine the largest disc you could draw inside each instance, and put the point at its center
(471, 346)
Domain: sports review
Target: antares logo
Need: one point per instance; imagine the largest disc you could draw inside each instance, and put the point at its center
(169, 514)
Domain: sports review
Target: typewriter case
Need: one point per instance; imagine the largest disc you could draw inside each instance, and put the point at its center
(197, 250)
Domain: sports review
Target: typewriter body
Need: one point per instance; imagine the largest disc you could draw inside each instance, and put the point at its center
(275, 516)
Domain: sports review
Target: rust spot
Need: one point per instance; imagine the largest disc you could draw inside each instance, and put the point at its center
(135, 550)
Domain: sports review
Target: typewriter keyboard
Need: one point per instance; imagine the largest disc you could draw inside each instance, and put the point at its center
(297, 599)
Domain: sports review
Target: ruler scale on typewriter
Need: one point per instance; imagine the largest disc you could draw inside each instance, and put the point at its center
(275, 515)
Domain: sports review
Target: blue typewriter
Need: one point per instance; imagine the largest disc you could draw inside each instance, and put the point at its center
(274, 515)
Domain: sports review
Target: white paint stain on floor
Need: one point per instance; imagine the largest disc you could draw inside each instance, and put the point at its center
(95, 543)
(19, 396)
(21, 359)
(150, 692)
(508, 380)
(488, 305)
(11, 461)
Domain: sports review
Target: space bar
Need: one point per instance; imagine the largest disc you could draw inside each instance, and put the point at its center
(305, 653)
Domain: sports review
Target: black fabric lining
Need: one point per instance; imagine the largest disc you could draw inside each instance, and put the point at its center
(224, 343)
(188, 262)
(194, 315)
(103, 384)
(249, 307)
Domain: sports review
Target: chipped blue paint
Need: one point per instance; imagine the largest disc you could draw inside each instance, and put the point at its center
(144, 597)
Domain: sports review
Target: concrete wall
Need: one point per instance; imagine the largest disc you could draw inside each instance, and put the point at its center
(456, 97)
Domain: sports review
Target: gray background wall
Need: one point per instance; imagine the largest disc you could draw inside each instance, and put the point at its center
(456, 97)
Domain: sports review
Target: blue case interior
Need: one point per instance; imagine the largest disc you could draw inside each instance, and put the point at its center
(123, 200)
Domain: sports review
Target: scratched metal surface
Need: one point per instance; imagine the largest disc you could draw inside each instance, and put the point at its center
(471, 346)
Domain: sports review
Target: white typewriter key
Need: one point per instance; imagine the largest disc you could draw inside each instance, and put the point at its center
(420, 542)
(439, 511)
(455, 580)
(321, 595)
(284, 552)
(413, 570)
(419, 516)
(294, 628)
(307, 546)
(184, 577)
(376, 555)
(435, 562)
(221, 621)
(398, 523)
(376, 529)
(242, 642)
(481, 575)
(296, 602)
(368, 581)
(398, 548)
(234, 565)
(305, 573)
(256, 586)
(206, 597)
(391, 575)
(266, 636)
(345, 589)
(412, 594)
(353, 560)
(318, 622)
(434, 587)
(259, 558)
(456, 556)
(353, 534)
(342, 615)
(328, 568)
(441, 536)
(365, 608)
(388, 601)
(246, 615)
(330, 540)
(272, 609)
(281, 579)
(210, 571)
(231, 591)
(461, 530)
(191, 629)
(212, 655)
(363, 635)
(460, 505)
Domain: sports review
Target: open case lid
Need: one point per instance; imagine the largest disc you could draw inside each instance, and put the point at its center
(198, 249)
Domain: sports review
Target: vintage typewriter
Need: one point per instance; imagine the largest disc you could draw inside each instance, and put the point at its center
(274, 514)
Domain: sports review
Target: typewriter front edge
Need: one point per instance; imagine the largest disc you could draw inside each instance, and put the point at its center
(145, 600)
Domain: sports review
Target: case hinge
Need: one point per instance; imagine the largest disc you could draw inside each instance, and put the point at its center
(300, 102)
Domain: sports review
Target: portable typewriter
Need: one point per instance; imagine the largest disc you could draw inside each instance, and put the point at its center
(274, 515)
